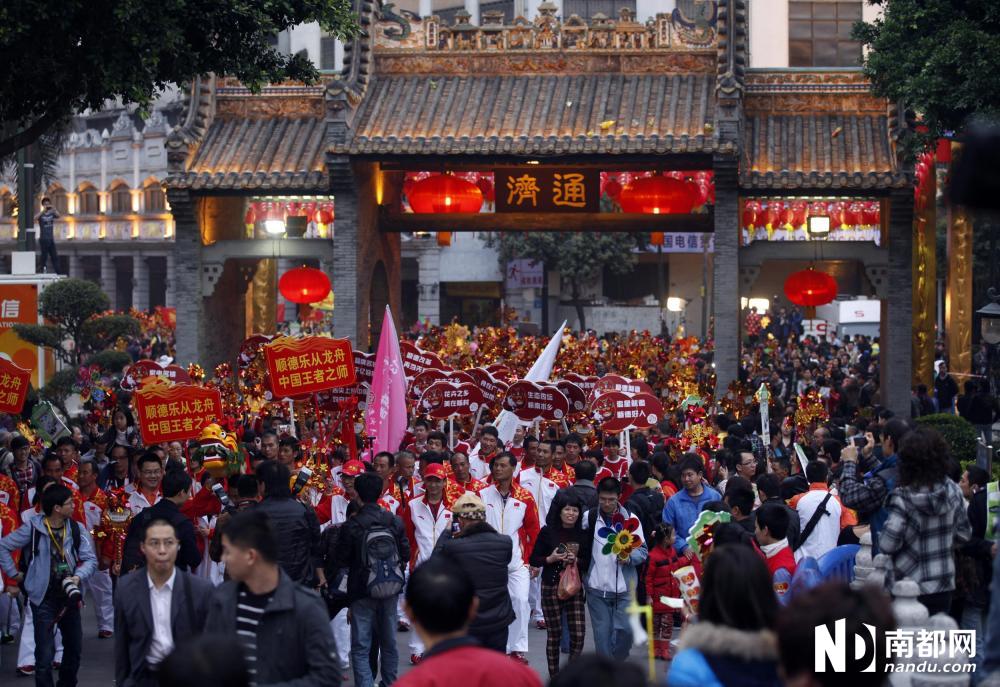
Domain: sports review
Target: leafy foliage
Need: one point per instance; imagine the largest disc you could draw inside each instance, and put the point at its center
(73, 309)
(940, 58)
(580, 257)
(58, 389)
(63, 56)
(957, 432)
(111, 362)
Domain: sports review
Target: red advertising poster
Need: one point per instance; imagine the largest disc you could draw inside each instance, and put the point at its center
(618, 383)
(138, 371)
(530, 401)
(586, 383)
(445, 399)
(364, 367)
(14, 383)
(174, 412)
(618, 411)
(574, 394)
(416, 361)
(300, 366)
(493, 390)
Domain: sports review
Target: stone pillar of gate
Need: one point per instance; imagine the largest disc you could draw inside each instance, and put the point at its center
(726, 275)
(958, 294)
(895, 344)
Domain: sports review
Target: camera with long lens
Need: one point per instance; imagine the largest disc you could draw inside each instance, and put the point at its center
(71, 590)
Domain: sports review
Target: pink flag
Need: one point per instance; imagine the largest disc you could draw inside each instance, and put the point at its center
(385, 416)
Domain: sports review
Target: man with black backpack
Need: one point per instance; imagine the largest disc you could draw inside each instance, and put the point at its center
(56, 556)
(375, 550)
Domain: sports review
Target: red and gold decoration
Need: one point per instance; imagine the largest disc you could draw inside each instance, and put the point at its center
(306, 365)
(218, 451)
(113, 526)
(810, 411)
(174, 412)
(787, 219)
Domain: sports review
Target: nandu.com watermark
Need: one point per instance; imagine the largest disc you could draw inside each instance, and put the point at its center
(899, 651)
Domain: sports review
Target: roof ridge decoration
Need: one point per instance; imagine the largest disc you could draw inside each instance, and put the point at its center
(199, 111)
(690, 30)
(732, 48)
(345, 92)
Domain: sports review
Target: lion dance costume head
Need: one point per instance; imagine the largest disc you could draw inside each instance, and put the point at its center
(219, 451)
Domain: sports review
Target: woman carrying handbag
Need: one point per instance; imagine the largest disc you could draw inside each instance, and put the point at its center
(562, 553)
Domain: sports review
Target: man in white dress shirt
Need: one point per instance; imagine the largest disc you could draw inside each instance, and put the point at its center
(155, 607)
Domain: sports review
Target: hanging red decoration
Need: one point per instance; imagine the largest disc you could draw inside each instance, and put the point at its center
(304, 285)
(658, 195)
(486, 186)
(325, 216)
(751, 210)
(444, 238)
(656, 238)
(871, 214)
(445, 193)
(771, 215)
(810, 288)
(250, 218)
(612, 188)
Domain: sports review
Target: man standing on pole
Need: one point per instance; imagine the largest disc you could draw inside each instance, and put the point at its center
(511, 510)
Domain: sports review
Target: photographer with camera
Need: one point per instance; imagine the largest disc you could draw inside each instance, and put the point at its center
(56, 555)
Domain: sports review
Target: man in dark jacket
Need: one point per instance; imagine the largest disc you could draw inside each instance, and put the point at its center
(769, 491)
(176, 491)
(299, 549)
(583, 485)
(141, 642)
(283, 626)
(485, 555)
(371, 618)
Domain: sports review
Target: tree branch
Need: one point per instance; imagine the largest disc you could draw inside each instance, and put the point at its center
(26, 137)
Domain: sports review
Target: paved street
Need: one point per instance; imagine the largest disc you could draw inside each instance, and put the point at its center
(97, 669)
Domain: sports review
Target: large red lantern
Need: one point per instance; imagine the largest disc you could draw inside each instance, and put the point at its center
(445, 193)
(810, 288)
(304, 285)
(658, 196)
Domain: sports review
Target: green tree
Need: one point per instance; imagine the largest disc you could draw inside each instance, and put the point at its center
(62, 56)
(579, 257)
(940, 58)
(77, 329)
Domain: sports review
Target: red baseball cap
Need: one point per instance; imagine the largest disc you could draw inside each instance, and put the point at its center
(435, 470)
(353, 468)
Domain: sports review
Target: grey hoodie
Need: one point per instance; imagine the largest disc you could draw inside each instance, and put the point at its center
(923, 527)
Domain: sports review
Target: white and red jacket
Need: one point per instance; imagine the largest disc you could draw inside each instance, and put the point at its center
(542, 489)
(617, 466)
(424, 526)
(333, 508)
(517, 518)
(138, 502)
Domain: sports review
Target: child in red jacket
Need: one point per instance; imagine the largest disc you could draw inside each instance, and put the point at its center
(660, 582)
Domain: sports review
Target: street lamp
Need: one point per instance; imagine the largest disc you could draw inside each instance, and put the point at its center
(989, 323)
(989, 328)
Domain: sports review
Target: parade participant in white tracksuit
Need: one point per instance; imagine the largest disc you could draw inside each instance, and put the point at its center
(511, 510)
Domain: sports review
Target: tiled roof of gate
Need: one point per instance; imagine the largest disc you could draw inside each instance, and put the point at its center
(535, 115)
(817, 151)
(274, 153)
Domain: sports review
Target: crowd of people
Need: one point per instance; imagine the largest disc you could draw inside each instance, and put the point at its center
(467, 543)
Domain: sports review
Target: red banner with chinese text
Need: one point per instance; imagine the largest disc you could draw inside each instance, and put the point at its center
(14, 383)
(174, 412)
(618, 411)
(300, 366)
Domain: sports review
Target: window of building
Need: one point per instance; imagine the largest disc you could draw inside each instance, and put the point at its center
(121, 200)
(60, 202)
(90, 203)
(153, 197)
(328, 53)
(819, 34)
(586, 9)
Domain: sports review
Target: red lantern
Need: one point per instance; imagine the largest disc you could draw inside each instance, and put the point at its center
(445, 193)
(325, 216)
(250, 218)
(771, 215)
(656, 238)
(750, 211)
(304, 285)
(871, 214)
(444, 238)
(800, 211)
(788, 217)
(810, 288)
(658, 196)
(818, 209)
(854, 214)
(838, 214)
